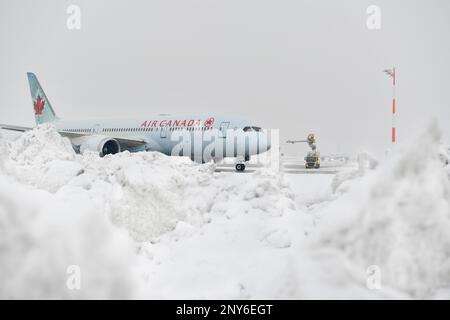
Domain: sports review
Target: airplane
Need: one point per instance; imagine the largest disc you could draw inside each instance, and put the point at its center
(201, 138)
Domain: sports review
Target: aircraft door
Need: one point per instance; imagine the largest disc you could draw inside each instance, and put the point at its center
(164, 132)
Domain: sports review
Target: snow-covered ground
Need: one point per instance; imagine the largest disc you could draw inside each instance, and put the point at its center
(145, 225)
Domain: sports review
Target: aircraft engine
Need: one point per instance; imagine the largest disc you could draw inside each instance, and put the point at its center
(101, 144)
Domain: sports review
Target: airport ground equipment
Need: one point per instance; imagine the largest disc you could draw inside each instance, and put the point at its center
(312, 159)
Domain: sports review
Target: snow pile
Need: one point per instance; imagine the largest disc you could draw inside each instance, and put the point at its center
(3, 151)
(142, 192)
(155, 198)
(398, 218)
(147, 193)
(444, 154)
(43, 158)
(46, 236)
(343, 179)
(249, 249)
(255, 247)
(205, 234)
(43, 235)
(154, 192)
(36, 147)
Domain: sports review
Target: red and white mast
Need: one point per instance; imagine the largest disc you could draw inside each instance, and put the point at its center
(391, 73)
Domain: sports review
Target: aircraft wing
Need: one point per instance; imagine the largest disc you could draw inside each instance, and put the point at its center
(124, 142)
(14, 128)
(130, 143)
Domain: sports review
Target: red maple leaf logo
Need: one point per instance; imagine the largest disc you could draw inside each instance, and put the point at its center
(39, 106)
(209, 122)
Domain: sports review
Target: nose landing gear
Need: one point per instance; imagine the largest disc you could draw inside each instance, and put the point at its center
(240, 162)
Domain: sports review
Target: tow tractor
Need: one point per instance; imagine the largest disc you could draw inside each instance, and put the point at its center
(312, 160)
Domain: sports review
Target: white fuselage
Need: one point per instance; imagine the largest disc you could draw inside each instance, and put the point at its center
(198, 137)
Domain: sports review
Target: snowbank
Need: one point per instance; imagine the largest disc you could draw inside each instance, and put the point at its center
(3, 151)
(142, 192)
(397, 218)
(150, 226)
(159, 201)
(147, 193)
(42, 158)
(345, 177)
(43, 234)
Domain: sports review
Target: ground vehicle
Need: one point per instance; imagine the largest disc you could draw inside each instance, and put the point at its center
(312, 160)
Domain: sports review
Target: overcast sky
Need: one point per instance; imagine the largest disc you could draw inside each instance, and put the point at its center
(301, 66)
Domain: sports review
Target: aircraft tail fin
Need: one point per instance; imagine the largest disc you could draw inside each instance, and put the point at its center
(43, 111)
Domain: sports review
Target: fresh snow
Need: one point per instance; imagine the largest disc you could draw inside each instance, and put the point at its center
(145, 225)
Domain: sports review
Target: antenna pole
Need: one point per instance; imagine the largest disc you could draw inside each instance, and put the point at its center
(393, 106)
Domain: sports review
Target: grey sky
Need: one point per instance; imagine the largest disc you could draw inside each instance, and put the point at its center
(301, 66)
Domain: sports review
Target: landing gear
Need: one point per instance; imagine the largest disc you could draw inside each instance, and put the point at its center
(240, 167)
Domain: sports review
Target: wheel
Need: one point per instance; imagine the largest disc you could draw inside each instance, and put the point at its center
(240, 167)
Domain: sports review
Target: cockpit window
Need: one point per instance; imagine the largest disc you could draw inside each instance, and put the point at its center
(247, 129)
